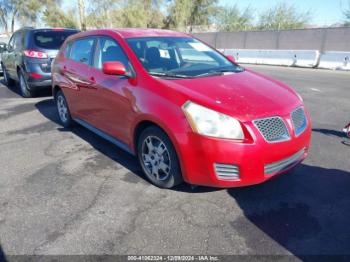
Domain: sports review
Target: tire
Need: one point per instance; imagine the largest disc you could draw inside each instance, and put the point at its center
(23, 86)
(63, 110)
(7, 80)
(158, 158)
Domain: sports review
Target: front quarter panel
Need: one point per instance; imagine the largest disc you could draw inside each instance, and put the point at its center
(162, 107)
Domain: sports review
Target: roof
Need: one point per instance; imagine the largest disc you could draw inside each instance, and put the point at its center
(143, 32)
(129, 33)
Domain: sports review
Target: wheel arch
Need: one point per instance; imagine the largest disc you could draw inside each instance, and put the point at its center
(55, 90)
(144, 124)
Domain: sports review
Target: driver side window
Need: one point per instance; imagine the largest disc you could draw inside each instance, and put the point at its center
(108, 50)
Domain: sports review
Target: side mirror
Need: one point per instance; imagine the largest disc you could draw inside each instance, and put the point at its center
(114, 68)
(231, 58)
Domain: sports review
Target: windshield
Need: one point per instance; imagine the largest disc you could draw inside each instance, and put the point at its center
(180, 57)
(51, 39)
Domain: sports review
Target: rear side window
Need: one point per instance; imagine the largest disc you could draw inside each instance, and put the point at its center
(81, 50)
(51, 39)
(19, 39)
(67, 49)
(12, 42)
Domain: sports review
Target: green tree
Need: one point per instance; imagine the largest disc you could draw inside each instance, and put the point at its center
(21, 12)
(185, 14)
(127, 13)
(100, 13)
(54, 16)
(347, 15)
(231, 18)
(283, 16)
(142, 13)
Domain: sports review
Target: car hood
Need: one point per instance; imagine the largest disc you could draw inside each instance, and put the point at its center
(246, 95)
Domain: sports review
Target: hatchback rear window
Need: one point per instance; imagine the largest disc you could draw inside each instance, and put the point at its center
(51, 39)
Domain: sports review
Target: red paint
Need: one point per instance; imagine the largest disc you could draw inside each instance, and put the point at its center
(117, 105)
(114, 68)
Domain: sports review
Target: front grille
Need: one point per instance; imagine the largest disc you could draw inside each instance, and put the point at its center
(226, 172)
(273, 129)
(299, 121)
(283, 164)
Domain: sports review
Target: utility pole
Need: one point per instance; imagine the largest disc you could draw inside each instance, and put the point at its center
(81, 7)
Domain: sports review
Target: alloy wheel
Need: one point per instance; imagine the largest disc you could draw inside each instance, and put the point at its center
(155, 158)
(62, 108)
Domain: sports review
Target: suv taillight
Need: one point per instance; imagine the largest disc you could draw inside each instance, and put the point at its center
(35, 54)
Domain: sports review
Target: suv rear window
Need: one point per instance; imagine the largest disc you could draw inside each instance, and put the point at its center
(51, 39)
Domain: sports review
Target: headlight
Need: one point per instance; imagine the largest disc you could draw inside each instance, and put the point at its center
(211, 123)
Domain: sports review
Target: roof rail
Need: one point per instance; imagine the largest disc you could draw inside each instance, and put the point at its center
(26, 27)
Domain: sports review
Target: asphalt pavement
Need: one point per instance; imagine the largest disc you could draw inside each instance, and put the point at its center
(67, 191)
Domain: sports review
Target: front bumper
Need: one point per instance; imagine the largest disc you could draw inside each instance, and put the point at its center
(256, 161)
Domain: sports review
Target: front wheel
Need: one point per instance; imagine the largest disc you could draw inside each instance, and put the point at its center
(158, 158)
(7, 80)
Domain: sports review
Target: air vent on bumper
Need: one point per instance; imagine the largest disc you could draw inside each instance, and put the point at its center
(283, 164)
(226, 172)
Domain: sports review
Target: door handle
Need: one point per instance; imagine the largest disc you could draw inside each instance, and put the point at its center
(92, 80)
(63, 70)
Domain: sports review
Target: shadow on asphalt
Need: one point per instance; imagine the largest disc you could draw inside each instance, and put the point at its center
(48, 109)
(15, 89)
(306, 211)
(330, 132)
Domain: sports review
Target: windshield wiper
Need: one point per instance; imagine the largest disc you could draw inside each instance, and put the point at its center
(168, 75)
(220, 71)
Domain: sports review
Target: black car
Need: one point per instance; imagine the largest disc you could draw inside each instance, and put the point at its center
(27, 57)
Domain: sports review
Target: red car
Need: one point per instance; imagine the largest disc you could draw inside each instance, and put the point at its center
(184, 109)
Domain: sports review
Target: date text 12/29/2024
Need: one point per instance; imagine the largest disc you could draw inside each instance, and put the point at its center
(173, 258)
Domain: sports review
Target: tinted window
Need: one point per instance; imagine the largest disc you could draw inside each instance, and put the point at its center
(81, 50)
(11, 42)
(51, 39)
(19, 39)
(108, 50)
(67, 49)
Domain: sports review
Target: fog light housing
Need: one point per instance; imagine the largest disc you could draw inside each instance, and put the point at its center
(226, 171)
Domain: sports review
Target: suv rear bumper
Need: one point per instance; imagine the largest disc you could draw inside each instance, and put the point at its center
(36, 84)
(37, 79)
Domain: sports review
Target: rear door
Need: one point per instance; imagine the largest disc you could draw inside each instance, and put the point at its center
(77, 70)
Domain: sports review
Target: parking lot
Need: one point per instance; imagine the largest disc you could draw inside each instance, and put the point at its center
(70, 192)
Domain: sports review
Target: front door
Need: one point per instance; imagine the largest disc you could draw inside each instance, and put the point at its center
(113, 94)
